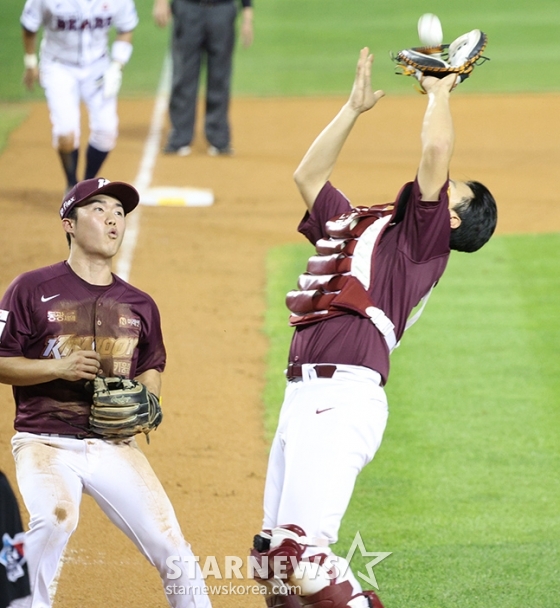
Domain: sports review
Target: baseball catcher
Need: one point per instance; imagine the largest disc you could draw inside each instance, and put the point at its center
(459, 58)
(122, 408)
(352, 305)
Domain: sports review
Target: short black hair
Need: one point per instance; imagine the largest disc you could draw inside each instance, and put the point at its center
(479, 216)
(72, 215)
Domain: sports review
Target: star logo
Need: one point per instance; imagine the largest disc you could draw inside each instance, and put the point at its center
(378, 556)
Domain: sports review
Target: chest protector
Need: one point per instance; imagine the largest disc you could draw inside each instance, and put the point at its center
(339, 276)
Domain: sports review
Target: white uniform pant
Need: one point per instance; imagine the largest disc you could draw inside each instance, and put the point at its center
(328, 430)
(65, 87)
(53, 472)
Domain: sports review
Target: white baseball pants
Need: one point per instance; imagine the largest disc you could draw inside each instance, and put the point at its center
(65, 87)
(53, 472)
(328, 430)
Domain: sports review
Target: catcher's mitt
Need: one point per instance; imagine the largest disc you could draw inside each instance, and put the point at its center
(123, 408)
(458, 58)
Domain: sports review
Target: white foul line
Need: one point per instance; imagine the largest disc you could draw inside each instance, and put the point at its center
(145, 172)
(141, 183)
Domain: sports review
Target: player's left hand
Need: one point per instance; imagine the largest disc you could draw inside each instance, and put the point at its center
(112, 79)
(30, 77)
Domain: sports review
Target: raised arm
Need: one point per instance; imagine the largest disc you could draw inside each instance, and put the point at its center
(438, 137)
(319, 161)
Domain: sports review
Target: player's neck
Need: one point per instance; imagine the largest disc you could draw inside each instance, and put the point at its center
(93, 270)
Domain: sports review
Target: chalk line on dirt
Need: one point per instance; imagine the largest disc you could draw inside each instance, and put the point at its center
(145, 172)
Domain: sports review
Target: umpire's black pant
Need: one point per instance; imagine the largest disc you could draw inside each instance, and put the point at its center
(201, 29)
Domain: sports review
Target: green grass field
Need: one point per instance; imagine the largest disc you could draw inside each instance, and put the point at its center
(310, 47)
(464, 490)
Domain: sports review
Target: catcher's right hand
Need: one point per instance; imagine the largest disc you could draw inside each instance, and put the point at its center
(122, 408)
(457, 58)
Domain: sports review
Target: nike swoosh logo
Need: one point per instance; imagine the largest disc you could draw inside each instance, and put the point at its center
(43, 299)
(325, 410)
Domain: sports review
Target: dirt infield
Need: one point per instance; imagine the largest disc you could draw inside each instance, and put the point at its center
(206, 269)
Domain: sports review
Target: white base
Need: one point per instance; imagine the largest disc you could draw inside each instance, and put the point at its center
(177, 197)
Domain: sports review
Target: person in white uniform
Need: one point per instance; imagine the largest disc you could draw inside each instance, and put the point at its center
(76, 64)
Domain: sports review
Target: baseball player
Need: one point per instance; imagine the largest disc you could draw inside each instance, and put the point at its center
(372, 267)
(76, 65)
(62, 327)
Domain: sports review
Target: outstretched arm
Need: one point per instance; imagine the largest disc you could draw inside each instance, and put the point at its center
(318, 163)
(438, 137)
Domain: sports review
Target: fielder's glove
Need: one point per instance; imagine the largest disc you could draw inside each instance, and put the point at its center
(458, 58)
(122, 408)
(111, 80)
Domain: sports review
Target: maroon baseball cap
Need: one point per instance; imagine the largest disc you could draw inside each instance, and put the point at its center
(125, 193)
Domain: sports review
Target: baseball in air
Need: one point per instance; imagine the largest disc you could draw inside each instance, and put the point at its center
(429, 30)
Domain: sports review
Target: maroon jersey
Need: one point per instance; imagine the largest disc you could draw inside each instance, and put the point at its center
(51, 312)
(410, 257)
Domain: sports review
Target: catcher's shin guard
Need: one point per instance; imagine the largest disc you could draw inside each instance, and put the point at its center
(271, 566)
(335, 596)
(340, 595)
(373, 600)
(283, 601)
(279, 565)
(294, 581)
